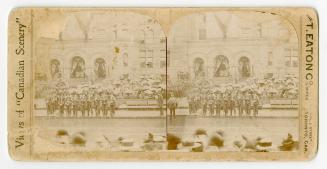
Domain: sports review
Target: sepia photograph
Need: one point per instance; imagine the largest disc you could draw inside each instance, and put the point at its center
(235, 79)
(100, 84)
(163, 84)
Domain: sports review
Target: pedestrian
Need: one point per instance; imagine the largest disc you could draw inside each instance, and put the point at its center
(172, 105)
(61, 108)
(217, 105)
(68, 106)
(226, 106)
(232, 105)
(204, 106)
(211, 106)
(255, 101)
(247, 105)
(112, 106)
(104, 107)
(240, 105)
(97, 107)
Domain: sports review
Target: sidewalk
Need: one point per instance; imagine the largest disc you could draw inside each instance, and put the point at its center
(283, 113)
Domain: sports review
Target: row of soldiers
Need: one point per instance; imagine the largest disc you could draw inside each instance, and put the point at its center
(85, 105)
(215, 104)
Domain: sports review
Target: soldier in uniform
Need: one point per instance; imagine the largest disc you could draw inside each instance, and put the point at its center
(231, 103)
(48, 105)
(83, 104)
(75, 106)
(239, 104)
(89, 105)
(204, 106)
(247, 105)
(172, 105)
(255, 103)
(61, 107)
(211, 104)
(197, 103)
(218, 104)
(68, 105)
(104, 107)
(97, 107)
(55, 103)
(226, 105)
(112, 106)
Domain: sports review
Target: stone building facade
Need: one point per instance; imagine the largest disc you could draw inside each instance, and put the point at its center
(228, 47)
(221, 46)
(132, 46)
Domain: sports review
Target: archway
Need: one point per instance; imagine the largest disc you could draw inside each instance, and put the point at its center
(221, 68)
(198, 67)
(55, 69)
(100, 68)
(78, 67)
(244, 67)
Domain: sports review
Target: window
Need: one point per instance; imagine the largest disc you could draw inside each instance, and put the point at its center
(146, 57)
(55, 69)
(291, 57)
(100, 68)
(78, 67)
(221, 68)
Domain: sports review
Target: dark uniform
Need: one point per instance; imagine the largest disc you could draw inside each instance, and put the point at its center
(240, 105)
(112, 106)
(97, 107)
(218, 105)
(62, 107)
(75, 107)
(231, 106)
(104, 107)
(247, 106)
(226, 106)
(68, 105)
(172, 105)
(211, 104)
(89, 106)
(204, 106)
(255, 105)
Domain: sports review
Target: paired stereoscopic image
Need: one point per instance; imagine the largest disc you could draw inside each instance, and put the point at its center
(224, 81)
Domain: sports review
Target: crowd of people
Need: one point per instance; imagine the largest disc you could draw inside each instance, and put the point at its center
(205, 98)
(143, 87)
(227, 104)
(86, 104)
(238, 99)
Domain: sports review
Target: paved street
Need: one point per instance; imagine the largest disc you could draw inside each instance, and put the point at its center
(275, 128)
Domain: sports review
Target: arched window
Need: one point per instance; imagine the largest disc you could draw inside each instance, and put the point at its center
(78, 67)
(221, 68)
(244, 67)
(199, 67)
(100, 68)
(55, 69)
